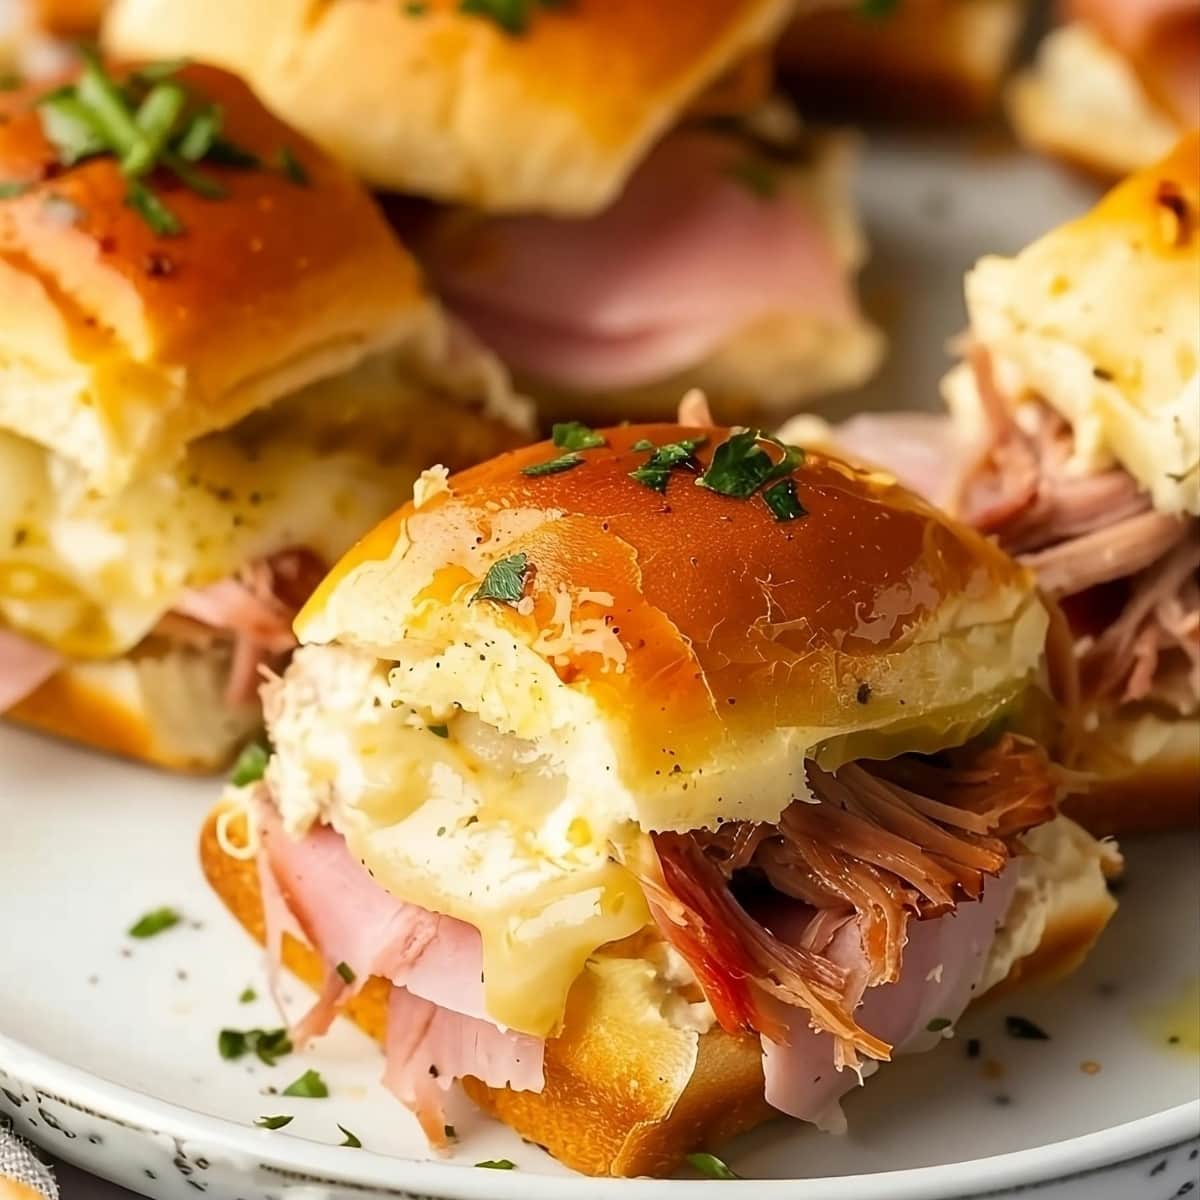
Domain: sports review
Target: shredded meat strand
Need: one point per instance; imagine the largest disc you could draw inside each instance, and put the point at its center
(1077, 532)
(880, 843)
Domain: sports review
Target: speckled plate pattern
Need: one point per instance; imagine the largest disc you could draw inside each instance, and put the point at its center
(108, 1046)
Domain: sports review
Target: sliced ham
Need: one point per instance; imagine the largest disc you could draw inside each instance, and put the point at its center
(437, 1028)
(429, 1047)
(24, 666)
(688, 255)
(256, 607)
(1161, 37)
(944, 959)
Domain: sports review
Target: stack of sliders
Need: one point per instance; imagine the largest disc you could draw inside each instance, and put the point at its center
(932, 59)
(622, 207)
(1074, 441)
(655, 781)
(217, 367)
(1115, 85)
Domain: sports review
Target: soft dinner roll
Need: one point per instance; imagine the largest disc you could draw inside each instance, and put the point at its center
(208, 388)
(635, 762)
(549, 109)
(934, 59)
(1114, 86)
(626, 213)
(1074, 441)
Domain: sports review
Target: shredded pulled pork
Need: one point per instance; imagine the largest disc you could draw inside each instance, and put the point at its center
(882, 843)
(1081, 532)
(254, 609)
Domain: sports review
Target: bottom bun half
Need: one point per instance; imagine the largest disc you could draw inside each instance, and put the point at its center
(162, 704)
(1145, 773)
(627, 1093)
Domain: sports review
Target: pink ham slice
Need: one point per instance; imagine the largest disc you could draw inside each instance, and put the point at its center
(436, 1017)
(944, 959)
(256, 607)
(429, 1047)
(1162, 37)
(685, 257)
(24, 666)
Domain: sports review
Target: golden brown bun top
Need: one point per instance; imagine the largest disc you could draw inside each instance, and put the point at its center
(259, 294)
(448, 103)
(697, 613)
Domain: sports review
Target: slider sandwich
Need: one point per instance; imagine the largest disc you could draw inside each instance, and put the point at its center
(1075, 444)
(621, 206)
(656, 781)
(217, 366)
(1114, 86)
(930, 59)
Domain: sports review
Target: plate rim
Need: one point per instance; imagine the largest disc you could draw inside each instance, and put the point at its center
(147, 1114)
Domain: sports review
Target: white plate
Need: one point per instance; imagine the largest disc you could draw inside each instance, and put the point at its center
(108, 1047)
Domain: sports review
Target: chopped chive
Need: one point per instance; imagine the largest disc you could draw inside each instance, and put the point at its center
(201, 133)
(497, 1164)
(351, 1139)
(711, 1166)
(290, 167)
(248, 996)
(553, 466)
(1022, 1027)
(310, 1086)
(250, 765)
(152, 210)
(155, 119)
(346, 972)
(273, 1122)
(575, 435)
(505, 580)
(154, 923)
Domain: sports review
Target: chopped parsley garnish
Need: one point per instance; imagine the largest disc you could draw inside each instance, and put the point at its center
(150, 123)
(310, 1086)
(497, 1164)
(505, 580)
(740, 466)
(513, 16)
(781, 499)
(575, 435)
(346, 972)
(154, 923)
(656, 470)
(250, 765)
(269, 1044)
(938, 1024)
(757, 177)
(351, 1139)
(442, 731)
(152, 210)
(274, 1122)
(642, 444)
(1022, 1027)
(9, 191)
(290, 167)
(553, 466)
(248, 996)
(711, 1166)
